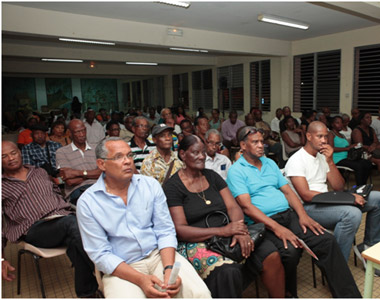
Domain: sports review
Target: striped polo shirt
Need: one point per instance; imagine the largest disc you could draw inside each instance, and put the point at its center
(140, 153)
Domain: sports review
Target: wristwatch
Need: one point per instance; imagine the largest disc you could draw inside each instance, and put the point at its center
(85, 173)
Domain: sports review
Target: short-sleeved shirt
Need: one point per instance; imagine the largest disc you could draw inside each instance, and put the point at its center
(140, 153)
(193, 205)
(263, 186)
(220, 164)
(313, 168)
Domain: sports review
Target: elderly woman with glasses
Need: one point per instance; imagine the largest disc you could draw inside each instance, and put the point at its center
(192, 194)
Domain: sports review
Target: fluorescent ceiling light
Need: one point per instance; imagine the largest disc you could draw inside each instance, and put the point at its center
(141, 63)
(176, 3)
(282, 21)
(189, 50)
(62, 60)
(86, 41)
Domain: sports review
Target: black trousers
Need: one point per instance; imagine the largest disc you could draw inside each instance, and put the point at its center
(331, 260)
(64, 231)
(361, 167)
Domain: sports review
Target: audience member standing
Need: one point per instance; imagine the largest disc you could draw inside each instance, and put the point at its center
(77, 162)
(76, 108)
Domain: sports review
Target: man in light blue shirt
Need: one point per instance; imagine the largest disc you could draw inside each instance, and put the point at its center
(128, 233)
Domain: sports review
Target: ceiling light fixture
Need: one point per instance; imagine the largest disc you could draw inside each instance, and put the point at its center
(175, 31)
(141, 63)
(62, 60)
(175, 3)
(189, 50)
(86, 41)
(282, 21)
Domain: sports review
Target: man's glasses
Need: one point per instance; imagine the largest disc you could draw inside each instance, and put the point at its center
(142, 126)
(121, 157)
(252, 131)
(214, 144)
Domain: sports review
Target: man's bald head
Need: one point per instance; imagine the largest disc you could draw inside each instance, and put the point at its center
(315, 126)
(74, 123)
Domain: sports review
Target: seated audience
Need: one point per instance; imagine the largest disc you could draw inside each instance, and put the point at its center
(309, 117)
(127, 133)
(103, 118)
(171, 123)
(187, 128)
(309, 170)
(286, 111)
(139, 144)
(194, 192)
(116, 116)
(59, 133)
(294, 138)
(215, 121)
(95, 131)
(215, 161)
(263, 193)
(341, 146)
(322, 118)
(229, 129)
(275, 123)
(180, 115)
(326, 111)
(34, 211)
(346, 130)
(128, 233)
(77, 162)
(376, 125)
(152, 117)
(355, 113)
(41, 152)
(366, 135)
(201, 126)
(113, 128)
(161, 160)
(63, 116)
(25, 137)
(166, 113)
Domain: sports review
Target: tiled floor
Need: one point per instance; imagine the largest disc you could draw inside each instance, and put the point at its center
(58, 275)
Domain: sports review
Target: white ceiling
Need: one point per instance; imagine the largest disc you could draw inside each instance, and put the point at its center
(213, 18)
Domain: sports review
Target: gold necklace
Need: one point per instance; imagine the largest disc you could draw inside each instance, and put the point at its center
(203, 197)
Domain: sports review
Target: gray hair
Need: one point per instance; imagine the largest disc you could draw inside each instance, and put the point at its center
(212, 131)
(165, 108)
(101, 150)
(345, 116)
(242, 136)
(139, 118)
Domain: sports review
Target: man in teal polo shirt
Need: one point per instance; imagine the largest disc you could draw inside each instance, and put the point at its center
(265, 197)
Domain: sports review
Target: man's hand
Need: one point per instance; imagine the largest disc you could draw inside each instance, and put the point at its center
(359, 200)
(236, 227)
(147, 285)
(68, 173)
(172, 289)
(285, 235)
(327, 151)
(246, 244)
(307, 222)
(5, 269)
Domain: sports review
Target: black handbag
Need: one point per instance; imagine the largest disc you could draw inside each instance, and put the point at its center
(221, 245)
(355, 154)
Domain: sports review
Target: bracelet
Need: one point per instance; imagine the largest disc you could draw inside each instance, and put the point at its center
(167, 267)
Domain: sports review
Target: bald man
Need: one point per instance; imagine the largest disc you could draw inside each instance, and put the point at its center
(309, 170)
(77, 162)
(35, 212)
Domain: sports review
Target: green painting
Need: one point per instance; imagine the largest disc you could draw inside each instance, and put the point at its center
(58, 92)
(99, 93)
(19, 93)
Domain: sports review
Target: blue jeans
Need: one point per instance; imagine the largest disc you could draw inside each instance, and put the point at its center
(345, 220)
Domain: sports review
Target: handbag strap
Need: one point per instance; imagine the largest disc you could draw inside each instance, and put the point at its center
(168, 172)
(217, 212)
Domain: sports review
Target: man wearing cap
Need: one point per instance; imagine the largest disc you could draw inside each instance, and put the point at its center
(162, 162)
(95, 131)
(40, 151)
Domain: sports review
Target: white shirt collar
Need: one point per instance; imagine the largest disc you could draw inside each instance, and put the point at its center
(75, 148)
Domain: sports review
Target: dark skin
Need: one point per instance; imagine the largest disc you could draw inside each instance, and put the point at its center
(337, 125)
(290, 125)
(73, 177)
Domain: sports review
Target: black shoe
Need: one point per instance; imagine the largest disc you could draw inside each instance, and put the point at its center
(97, 294)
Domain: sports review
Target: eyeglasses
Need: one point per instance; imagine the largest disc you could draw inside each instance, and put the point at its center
(252, 131)
(142, 126)
(214, 144)
(121, 157)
